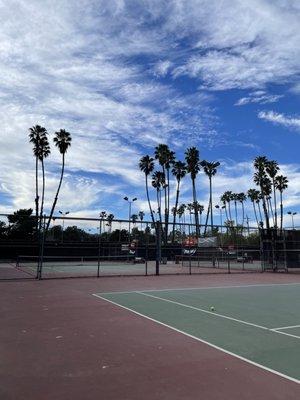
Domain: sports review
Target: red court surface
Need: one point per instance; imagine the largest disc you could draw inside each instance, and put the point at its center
(59, 342)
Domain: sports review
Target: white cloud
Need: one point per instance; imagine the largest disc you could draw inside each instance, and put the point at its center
(280, 119)
(258, 96)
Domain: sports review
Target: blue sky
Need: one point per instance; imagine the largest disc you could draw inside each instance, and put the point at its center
(123, 76)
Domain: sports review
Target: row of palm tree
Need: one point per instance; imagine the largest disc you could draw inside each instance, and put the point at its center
(264, 198)
(167, 164)
(38, 137)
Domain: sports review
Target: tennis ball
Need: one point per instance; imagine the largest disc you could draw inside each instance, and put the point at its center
(212, 308)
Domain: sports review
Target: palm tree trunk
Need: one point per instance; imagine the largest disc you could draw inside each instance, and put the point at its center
(229, 210)
(265, 210)
(207, 216)
(37, 195)
(281, 212)
(175, 211)
(43, 194)
(235, 208)
(148, 198)
(243, 213)
(211, 209)
(57, 192)
(254, 208)
(260, 214)
(271, 209)
(226, 212)
(168, 204)
(275, 203)
(195, 210)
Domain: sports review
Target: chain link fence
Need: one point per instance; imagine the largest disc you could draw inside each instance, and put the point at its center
(93, 247)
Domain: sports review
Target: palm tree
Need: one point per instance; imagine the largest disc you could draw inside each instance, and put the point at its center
(261, 180)
(180, 213)
(109, 220)
(134, 218)
(226, 199)
(44, 152)
(234, 198)
(179, 171)
(37, 134)
(147, 166)
(200, 209)
(141, 216)
(166, 158)
(281, 183)
(272, 169)
(103, 216)
(210, 169)
(62, 140)
(158, 182)
(242, 198)
(253, 195)
(223, 199)
(193, 167)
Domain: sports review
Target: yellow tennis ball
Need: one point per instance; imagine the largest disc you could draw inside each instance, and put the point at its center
(212, 308)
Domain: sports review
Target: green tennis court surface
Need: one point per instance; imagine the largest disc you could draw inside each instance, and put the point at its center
(259, 324)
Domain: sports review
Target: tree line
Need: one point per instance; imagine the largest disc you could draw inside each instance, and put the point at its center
(163, 165)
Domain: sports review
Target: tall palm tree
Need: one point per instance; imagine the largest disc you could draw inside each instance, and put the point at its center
(44, 152)
(62, 140)
(210, 169)
(179, 171)
(166, 158)
(223, 199)
(36, 134)
(261, 180)
(193, 167)
(234, 198)
(180, 213)
(281, 183)
(103, 216)
(253, 195)
(226, 199)
(158, 182)
(272, 169)
(141, 217)
(110, 219)
(242, 198)
(146, 165)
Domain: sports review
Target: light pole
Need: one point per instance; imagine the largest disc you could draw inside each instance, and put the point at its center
(129, 213)
(292, 215)
(63, 226)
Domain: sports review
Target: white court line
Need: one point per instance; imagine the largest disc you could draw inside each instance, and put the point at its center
(205, 311)
(202, 341)
(203, 288)
(286, 327)
(220, 315)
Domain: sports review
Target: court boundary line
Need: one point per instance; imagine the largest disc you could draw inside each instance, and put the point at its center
(202, 288)
(240, 321)
(286, 327)
(295, 380)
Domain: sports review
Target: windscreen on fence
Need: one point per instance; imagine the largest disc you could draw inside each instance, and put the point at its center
(76, 247)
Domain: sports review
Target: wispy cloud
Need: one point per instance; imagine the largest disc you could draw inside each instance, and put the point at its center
(280, 119)
(259, 96)
(125, 76)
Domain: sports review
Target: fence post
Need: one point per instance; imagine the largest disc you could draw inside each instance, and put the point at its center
(158, 247)
(99, 248)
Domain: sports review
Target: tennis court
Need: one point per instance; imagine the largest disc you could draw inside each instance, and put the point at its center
(93, 266)
(259, 324)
